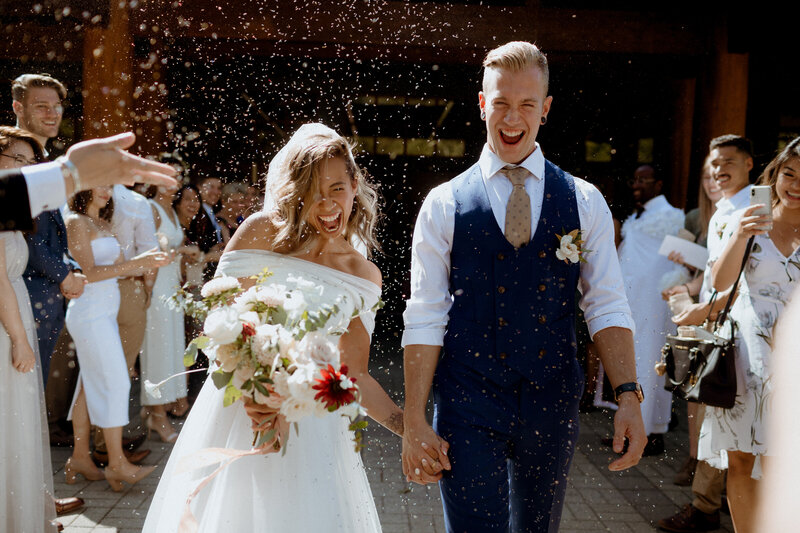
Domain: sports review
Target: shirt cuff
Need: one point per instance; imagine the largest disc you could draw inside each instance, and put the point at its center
(46, 189)
(610, 320)
(429, 337)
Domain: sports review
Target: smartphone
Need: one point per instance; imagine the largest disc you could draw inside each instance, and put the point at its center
(762, 194)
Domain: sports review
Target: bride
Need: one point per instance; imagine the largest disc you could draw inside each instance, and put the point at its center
(318, 202)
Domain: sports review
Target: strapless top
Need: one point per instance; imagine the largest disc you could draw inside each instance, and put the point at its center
(105, 250)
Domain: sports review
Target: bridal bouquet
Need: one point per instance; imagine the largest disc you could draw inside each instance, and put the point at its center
(272, 348)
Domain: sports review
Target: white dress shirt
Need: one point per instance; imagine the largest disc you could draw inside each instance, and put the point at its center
(46, 189)
(602, 292)
(133, 223)
(722, 217)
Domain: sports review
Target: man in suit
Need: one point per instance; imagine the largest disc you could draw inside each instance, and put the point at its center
(50, 275)
(490, 322)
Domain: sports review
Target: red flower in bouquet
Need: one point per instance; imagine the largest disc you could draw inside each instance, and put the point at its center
(335, 388)
(247, 331)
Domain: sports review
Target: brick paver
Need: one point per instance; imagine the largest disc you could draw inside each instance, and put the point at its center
(597, 499)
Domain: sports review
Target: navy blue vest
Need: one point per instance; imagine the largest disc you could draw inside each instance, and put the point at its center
(513, 311)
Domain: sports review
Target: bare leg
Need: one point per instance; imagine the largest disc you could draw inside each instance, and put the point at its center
(156, 420)
(80, 462)
(180, 407)
(742, 491)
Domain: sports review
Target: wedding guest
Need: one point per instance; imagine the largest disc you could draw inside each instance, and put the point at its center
(697, 220)
(26, 482)
(234, 208)
(51, 276)
(196, 226)
(644, 272)
(102, 394)
(772, 274)
(162, 351)
(731, 161)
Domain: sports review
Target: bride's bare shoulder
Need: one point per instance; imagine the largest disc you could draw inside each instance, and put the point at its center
(364, 268)
(256, 233)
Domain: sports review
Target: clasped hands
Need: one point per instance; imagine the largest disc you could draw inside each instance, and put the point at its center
(424, 454)
(72, 286)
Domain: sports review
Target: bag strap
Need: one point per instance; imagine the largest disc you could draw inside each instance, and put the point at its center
(724, 314)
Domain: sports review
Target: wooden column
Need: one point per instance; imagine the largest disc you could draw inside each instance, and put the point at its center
(150, 104)
(726, 109)
(107, 68)
(681, 141)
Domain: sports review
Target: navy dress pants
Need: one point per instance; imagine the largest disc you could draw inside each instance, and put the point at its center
(511, 447)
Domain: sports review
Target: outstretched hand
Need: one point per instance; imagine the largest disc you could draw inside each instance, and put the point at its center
(424, 454)
(628, 424)
(105, 162)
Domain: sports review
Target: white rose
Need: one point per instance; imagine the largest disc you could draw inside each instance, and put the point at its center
(296, 409)
(279, 383)
(265, 342)
(319, 349)
(218, 286)
(227, 356)
(222, 325)
(295, 304)
(352, 410)
(568, 250)
(270, 295)
(245, 371)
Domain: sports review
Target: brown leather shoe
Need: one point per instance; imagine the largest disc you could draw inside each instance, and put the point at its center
(58, 525)
(60, 438)
(133, 443)
(67, 505)
(101, 458)
(690, 520)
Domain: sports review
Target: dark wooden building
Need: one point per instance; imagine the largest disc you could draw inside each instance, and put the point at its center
(224, 82)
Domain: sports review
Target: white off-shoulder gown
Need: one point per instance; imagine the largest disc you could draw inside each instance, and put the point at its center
(318, 485)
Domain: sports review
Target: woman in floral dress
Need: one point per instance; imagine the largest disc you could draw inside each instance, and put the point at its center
(771, 274)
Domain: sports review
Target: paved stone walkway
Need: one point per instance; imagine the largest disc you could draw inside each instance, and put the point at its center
(597, 499)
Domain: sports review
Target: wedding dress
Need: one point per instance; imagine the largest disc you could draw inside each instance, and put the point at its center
(26, 482)
(319, 484)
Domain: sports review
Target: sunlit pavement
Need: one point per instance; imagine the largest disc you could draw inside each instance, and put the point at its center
(597, 499)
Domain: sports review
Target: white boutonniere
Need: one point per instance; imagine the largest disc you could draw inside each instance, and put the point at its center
(570, 247)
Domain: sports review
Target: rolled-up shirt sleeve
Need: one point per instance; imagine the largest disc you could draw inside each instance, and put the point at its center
(603, 298)
(46, 189)
(428, 306)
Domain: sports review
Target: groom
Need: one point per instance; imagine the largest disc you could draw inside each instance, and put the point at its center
(491, 325)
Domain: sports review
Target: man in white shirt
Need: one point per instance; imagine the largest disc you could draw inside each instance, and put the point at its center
(490, 320)
(644, 270)
(731, 159)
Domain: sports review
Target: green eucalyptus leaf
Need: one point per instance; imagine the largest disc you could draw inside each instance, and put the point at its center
(221, 379)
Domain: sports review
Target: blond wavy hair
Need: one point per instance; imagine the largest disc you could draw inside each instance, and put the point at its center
(299, 175)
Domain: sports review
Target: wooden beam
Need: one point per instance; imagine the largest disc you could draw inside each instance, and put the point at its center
(391, 24)
(107, 75)
(680, 154)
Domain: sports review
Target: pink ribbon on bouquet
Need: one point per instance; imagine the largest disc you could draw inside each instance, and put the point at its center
(200, 459)
(210, 456)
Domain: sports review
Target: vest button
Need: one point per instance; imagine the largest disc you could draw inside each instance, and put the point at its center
(542, 254)
(542, 319)
(502, 355)
(500, 256)
(542, 288)
(502, 322)
(542, 353)
(501, 289)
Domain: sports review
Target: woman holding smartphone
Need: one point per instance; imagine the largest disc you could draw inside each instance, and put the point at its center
(770, 276)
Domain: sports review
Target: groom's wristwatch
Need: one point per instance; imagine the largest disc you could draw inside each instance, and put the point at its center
(631, 386)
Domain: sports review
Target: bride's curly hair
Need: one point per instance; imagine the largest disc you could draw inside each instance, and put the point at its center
(300, 174)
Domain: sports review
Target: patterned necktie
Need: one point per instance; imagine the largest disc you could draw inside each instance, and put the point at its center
(518, 211)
